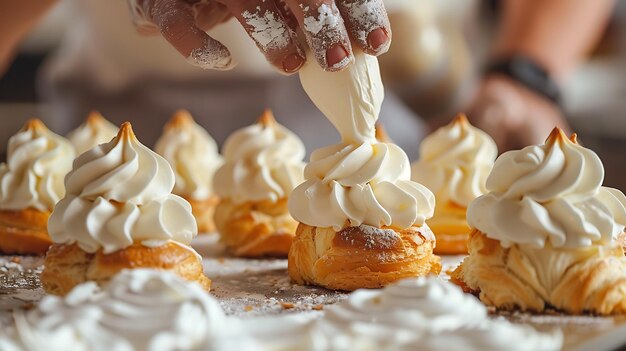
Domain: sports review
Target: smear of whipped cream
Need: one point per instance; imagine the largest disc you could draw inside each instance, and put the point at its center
(138, 310)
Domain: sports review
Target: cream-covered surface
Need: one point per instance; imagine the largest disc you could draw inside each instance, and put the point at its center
(254, 288)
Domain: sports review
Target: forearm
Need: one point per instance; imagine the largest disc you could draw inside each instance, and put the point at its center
(555, 33)
(17, 18)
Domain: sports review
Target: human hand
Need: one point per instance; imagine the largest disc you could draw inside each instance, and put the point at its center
(512, 114)
(328, 26)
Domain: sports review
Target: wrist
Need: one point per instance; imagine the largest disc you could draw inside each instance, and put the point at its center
(528, 73)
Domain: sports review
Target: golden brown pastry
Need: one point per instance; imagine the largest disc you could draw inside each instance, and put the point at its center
(31, 184)
(204, 212)
(454, 164)
(68, 265)
(193, 155)
(450, 228)
(546, 234)
(255, 229)
(119, 213)
(24, 232)
(361, 257)
(263, 163)
(362, 220)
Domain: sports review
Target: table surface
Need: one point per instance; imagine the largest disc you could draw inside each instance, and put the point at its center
(260, 287)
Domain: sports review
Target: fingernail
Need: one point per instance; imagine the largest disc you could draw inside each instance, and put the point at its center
(378, 40)
(292, 63)
(337, 57)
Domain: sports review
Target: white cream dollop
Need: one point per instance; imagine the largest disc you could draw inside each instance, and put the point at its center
(455, 161)
(262, 162)
(422, 311)
(549, 193)
(139, 309)
(37, 162)
(360, 180)
(119, 193)
(193, 155)
(94, 131)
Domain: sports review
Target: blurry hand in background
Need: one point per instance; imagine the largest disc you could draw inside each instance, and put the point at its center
(329, 27)
(556, 35)
(512, 114)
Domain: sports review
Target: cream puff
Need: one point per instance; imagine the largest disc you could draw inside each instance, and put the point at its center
(95, 130)
(31, 183)
(546, 233)
(119, 212)
(193, 155)
(362, 220)
(263, 163)
(454, 164)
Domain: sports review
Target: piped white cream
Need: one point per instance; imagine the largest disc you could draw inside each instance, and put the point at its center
(193, 155)
(360, 180)
(119, 193)
(37, 162)
(550, 193)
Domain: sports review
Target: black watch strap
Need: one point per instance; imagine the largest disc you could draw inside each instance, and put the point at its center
(529, 73)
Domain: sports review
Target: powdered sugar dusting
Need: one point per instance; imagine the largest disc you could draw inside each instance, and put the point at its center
(343, 63)
(19, 281)
(366, 16)
(328, 17)
(214, 56)
(324, 28)
(267, 29)
(379, 238)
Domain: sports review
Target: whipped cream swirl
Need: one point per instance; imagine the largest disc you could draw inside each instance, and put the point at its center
(120, 193)
(139, 309)
(455, 161)
(360, 180)
(262, 162)
(37, 162)
(193, 155)
(94, 131)
(549, 193)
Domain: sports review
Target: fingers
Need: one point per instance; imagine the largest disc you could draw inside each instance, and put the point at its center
(325, 32)
(266, 26)
(177, 25)
(210, 14)
(367, 23)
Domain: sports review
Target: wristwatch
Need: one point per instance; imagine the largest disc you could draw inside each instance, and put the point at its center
(529, 73)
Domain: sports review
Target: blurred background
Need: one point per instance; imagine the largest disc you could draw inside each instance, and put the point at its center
(46, 79)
